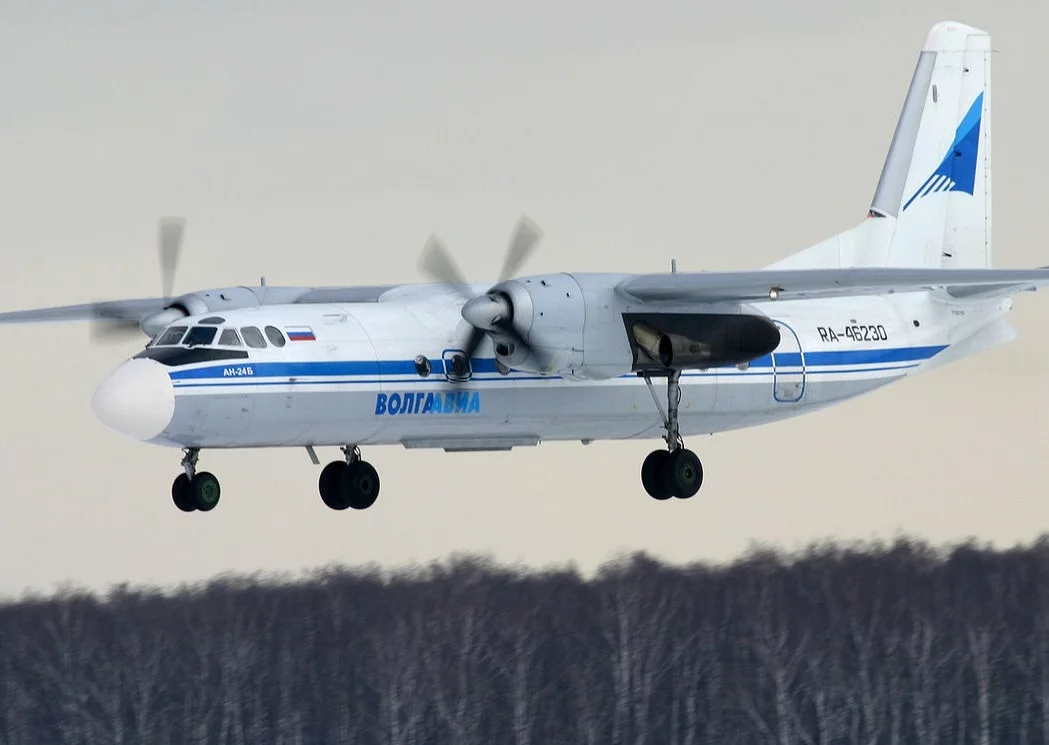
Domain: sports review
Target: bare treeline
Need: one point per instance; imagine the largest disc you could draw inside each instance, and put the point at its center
(890, 644)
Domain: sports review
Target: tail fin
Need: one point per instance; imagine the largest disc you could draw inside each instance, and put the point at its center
(932, 205)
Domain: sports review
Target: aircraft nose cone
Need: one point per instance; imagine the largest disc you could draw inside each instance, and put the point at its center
(137, 399)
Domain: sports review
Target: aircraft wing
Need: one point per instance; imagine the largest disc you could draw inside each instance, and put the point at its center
(794, 284)
(135, 309)
(123, 310)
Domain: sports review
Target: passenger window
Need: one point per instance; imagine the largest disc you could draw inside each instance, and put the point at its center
(229, 338)
(200, 336)
(170, 337)
(253, 337)
(275, 336)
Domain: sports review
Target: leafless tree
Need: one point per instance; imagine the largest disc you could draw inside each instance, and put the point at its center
(637, 613)
(400, 681)
(831, 646)
(458, 632)
(16, 701)
(61, 657)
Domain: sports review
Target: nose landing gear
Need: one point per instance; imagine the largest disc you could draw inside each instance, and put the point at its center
(193, 491)
(676, 471)
(350, 483)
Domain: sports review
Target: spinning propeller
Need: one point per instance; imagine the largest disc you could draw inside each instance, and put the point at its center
(113, 321)
(493, 311)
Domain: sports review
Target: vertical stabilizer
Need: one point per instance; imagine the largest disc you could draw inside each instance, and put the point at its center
(937, 176)
(932, 204)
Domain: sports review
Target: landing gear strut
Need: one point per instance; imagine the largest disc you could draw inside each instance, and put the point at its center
(193, 490)
(352, 482)
(676, 471)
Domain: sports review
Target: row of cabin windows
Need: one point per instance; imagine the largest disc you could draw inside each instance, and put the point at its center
(199, 336)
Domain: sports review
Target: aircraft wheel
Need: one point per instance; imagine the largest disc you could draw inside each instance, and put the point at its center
(180, 494)
(682, 473)
(204, 490)
(359, 485)
(653, 475)
(330, 485)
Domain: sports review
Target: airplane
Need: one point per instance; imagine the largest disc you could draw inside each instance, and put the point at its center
(572, 356)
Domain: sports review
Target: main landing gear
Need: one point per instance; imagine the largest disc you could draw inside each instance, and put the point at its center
(192, 490)
(349, 483)
(676, 471)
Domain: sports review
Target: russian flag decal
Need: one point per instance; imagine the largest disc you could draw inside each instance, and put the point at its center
(300, 333)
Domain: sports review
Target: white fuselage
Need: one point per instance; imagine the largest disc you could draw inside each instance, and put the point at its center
(354, 379)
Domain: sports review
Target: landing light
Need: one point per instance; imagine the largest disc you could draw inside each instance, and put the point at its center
(774, 293)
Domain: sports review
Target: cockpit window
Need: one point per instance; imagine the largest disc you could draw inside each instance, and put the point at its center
(170, 336)
(229, 338)
(200, 335)
(204, 335)
(176, 356)
(253, 337)
(275, 336)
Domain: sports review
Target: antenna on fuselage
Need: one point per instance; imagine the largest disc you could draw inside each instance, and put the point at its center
(262, 281)
(673, 266)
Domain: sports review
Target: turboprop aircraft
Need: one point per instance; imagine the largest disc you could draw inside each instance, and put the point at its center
(577, 356)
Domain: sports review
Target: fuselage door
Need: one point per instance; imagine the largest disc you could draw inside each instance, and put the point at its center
(788, 367)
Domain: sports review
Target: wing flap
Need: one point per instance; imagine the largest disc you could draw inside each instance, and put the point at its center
(795, 284)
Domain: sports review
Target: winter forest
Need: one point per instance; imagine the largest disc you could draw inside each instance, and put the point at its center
(889, 644)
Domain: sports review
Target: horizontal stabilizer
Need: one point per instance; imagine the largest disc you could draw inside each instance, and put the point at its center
(791, 284)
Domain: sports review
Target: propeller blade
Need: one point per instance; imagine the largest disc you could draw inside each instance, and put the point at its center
(114, 330)
(522, 244)
(484, 312)
(170, 243)
(473, 341)
(113, 320)
(437, 263)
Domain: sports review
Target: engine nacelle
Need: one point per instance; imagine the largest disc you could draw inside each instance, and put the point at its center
(574, 321)
(548, 311)
(586, 330)
(199, 303)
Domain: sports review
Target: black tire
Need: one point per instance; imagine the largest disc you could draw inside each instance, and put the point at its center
(360, 485)
(181, 495)
(205, 491)
(683, 473)
(653, 478)
(330, 485)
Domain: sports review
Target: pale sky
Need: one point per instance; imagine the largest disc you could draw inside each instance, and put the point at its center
(320, 143)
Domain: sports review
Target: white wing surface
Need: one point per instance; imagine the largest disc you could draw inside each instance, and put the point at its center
(797, 284)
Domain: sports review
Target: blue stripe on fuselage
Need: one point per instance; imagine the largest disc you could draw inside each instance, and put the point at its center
(835, 357)
(372, 371)
(319, 368)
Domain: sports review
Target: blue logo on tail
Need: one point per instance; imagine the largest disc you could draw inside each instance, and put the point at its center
(957, 170)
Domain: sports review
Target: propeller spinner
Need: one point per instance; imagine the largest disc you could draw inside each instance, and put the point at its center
(493, 311)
